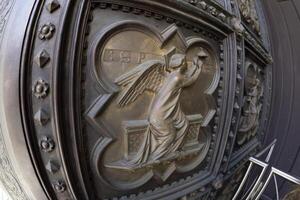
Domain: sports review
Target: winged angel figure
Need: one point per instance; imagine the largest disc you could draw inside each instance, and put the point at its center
(168, 125)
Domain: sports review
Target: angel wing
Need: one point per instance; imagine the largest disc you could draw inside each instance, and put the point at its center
(146, 76)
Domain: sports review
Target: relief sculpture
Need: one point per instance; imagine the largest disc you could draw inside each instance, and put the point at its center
(248, 11)
(131, 99)
(167, 124)
(251, 110)
(155, 118)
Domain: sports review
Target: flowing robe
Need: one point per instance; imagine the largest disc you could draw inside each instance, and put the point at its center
(167, 123)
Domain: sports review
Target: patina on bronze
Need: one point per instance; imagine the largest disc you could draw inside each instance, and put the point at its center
(114, 99)
(156, 132)
(249, 12)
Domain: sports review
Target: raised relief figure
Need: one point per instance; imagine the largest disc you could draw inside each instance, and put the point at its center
(248, 11)
(167, 124)
(249, 121)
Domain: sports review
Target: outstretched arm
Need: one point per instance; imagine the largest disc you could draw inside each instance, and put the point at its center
(195, 69)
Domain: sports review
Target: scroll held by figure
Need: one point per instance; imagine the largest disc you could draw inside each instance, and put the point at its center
(167, 125)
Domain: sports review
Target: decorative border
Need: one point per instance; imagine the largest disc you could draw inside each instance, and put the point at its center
(212, 9)
(39, 107)
(238, 101)
(218, 19)
(258, 47)
(255, 48)
(218, 13)
(234, 159)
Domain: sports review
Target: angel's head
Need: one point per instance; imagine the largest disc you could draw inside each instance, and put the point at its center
(178, 61)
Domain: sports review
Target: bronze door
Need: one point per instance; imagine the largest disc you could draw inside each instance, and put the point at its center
(114, 99)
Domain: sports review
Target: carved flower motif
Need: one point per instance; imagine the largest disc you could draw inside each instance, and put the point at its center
(47, 144)
(46, 31)
(40, 88)
(59, 186)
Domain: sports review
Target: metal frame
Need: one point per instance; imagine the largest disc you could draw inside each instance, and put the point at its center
(256, 192)
(264, 166)
(280, 173)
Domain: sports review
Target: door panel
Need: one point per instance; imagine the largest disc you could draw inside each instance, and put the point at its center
(142, 99)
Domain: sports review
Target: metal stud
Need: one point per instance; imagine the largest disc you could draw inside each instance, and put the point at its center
(52, 166)
(236, 106)
(42, 58)
(53, 6)
(41, 117)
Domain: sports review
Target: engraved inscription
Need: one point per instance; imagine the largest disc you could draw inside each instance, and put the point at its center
(126, 56)
(120, 51)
